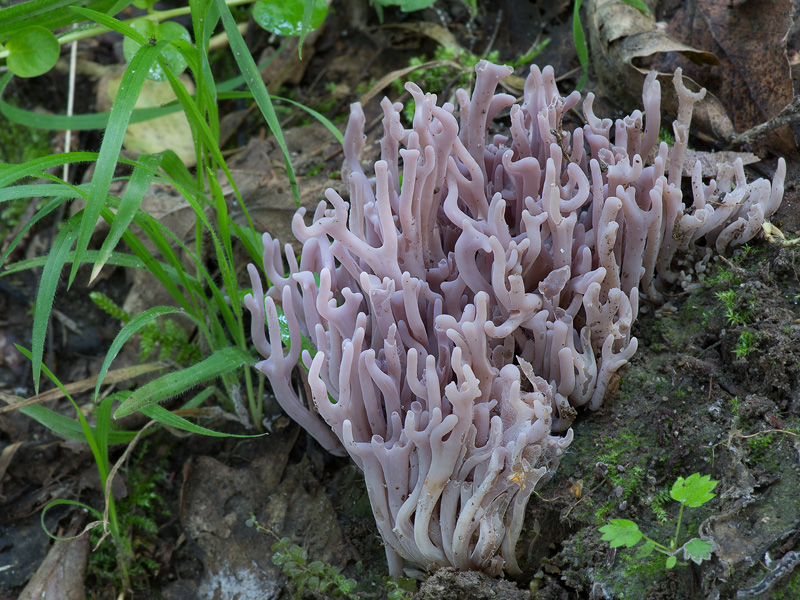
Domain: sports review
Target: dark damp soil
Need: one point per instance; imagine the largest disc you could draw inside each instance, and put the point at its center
(713, 389)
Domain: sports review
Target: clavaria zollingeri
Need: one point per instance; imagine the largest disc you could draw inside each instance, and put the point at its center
(472, 294)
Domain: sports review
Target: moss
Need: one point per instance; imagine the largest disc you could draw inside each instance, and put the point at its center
(631, 578)
(19, 144)
(790, 591)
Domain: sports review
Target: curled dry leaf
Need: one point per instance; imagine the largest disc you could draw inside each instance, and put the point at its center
(623, 42)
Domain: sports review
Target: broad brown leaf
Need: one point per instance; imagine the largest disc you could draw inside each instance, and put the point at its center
(753, 80)
(624, 42)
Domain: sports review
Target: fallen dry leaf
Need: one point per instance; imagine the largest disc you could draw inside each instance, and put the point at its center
(753, 80)
(624, 41)
(61, 573)
(710, 161)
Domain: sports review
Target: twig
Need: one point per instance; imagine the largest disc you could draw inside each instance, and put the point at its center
(789, 114)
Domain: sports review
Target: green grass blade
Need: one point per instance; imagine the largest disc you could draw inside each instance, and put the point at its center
(37, 120)
(37, 190)
(315, 114)
(131, 328)
(118, 259)
(154, 266)
(305, 25)
(165, 417)
(69, 428)
(579, 39)
(253, 79)
(183, 180)
(47, 291)
(46, 13)
(222, 361)
(128, 93)
(48, 208)
(231, 84)
(130, 203)
(103, 429)
(318, 116)
(11, 173)
(88, 432)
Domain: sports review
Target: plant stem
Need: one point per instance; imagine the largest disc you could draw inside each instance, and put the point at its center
(677, 528)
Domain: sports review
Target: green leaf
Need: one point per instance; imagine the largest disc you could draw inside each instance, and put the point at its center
(168, 31)
(319, 117)
(128, 93)
(69, 428)
(49, 14)
(639, 5)
(697, 550)
(671, 562)
(165, 417)
(37, 120)
(32, 51)
(285, 17)
(621, 532)
(412, 5)
(645, 550)
(47, 292)
(693, 491)
(221, 362)
(129, 330)
(256, 85)
(137, 187)
(581, 47)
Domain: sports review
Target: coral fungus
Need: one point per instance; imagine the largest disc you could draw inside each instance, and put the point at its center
(454, 319)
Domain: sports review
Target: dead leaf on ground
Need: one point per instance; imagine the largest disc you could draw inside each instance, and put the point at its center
(623, 40)
(710, 161)
(62, 572)
(753, 80)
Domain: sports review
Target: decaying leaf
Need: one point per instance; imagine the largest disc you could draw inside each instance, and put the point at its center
(710, 161)
(624, 41)
(753, 79)
(62, 572)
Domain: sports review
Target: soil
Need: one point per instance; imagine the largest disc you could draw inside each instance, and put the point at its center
(211, 510)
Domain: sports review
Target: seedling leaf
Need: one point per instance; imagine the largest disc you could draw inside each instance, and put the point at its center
(171, 56)
(693, 491)
(621, 532)
(671, 562)
(645, 550)
(697, 550)
(286, 17)
(32, 51)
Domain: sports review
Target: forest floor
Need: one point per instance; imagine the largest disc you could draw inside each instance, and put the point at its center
(713, 389)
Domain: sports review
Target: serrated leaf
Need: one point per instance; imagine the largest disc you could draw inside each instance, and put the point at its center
(693, 491)
(671, 562)
(646, 550)
(285, 17)
(32, 51)
(621, 532)
(697, 550)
